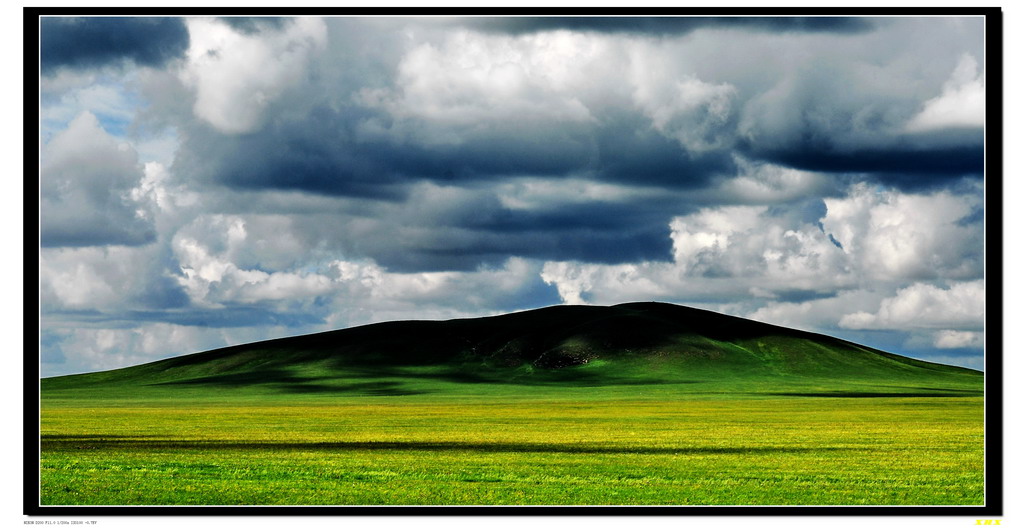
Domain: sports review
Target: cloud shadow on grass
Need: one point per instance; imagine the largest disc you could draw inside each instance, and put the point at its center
(571, 376)
(950, 393)
(393, 381)
(285, 382)
(105, 443)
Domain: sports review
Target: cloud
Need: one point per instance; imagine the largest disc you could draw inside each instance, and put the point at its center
(111, 101)
(743, 241)
(698, 114)
(290, 175)
(91, 42)
(112, 278)
(206, 252)
(86, 182)
(236, 76)
(868, 239)
(845, 109)
(444, 228)
(766, 183)
(718, 254)
(162, 194)
(961, 104)
(953, 339)
(254, 25)
(471, 80)
(507, 89)
(959, 307)
(461, 106)
(230, 261)
(904, 163)
(503, 286)
(470, 108)
(92, 348)
(210, 280)
(477, 106)
(360, 293)
(889, 235)
(571, 279)
(820, 313)
(315, 153)
(661, 26)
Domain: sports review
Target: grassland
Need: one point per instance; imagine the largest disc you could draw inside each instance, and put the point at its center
(749, 420)
(592, 446)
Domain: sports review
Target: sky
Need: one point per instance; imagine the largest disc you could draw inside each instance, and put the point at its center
(208, 182)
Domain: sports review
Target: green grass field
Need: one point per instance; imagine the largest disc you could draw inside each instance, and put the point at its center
(593, 446)
(750, 420)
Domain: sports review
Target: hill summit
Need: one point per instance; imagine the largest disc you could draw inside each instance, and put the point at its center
(633, 343)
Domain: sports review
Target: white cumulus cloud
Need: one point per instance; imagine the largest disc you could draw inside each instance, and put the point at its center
(961, 306)
(697, 113)
(111, 278)
(236, 76)
(961, 104)
(212, 278)
(724, 253)
(86, 179)
(469, 77)
(868, 244)
(899, 236)
(959, 339)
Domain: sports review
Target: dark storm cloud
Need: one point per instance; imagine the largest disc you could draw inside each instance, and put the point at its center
(590, 215)
(852, 118)
(253, 25)
(482, 232)
(100, 41)
(907, 168)
(324, 152)
(493, 154)
(631, 152)
(801, 295)
(162, 292)
(441, 251)
(62, 232)
(832, 116)
(671, 25)
(608, 152)
(318, 153)
(451, 228)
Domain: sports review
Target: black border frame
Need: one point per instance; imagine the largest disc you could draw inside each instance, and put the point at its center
(994, 219)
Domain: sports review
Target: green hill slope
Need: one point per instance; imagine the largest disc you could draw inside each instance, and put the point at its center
(561, 346)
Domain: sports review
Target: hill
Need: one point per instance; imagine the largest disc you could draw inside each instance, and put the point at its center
(626, 344)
